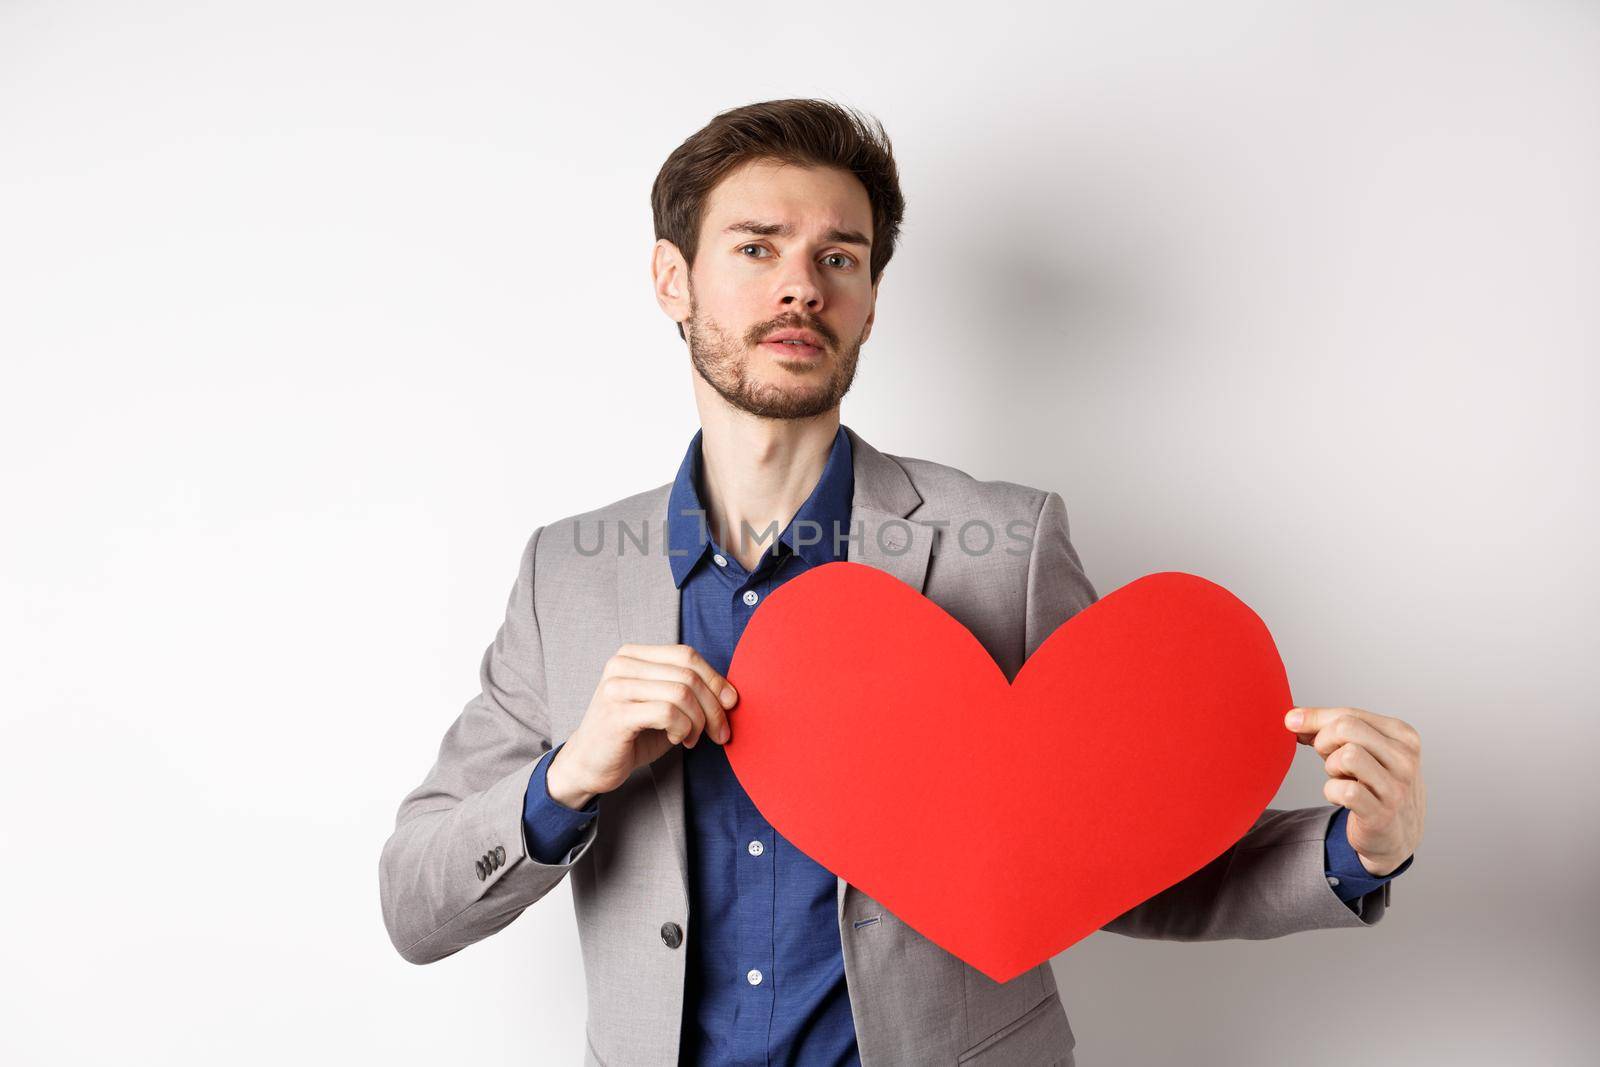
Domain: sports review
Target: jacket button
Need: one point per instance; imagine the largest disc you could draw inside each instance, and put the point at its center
(500, 853)
(483, 872)
(671, 934)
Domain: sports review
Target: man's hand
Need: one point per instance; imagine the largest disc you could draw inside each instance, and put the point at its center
(650, 697)
(1374, 766)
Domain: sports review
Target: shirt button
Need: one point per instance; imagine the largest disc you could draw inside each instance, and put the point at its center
(1332, 880)
(754, 977)
(721, 560)
(751, 596)
(756, 848)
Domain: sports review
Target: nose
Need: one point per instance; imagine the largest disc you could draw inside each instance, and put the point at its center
(800, 289)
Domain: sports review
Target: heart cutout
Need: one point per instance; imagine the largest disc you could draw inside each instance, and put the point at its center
(1007, 821)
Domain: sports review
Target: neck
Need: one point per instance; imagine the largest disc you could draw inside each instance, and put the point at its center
(758, 472)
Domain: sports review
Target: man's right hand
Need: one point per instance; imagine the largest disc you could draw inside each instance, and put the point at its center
(650, 697)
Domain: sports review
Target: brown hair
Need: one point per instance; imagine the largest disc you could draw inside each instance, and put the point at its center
(814, 133)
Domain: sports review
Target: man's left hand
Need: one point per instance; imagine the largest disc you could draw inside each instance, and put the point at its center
(1374, 766)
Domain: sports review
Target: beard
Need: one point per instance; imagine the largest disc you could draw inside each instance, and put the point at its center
(808, 389)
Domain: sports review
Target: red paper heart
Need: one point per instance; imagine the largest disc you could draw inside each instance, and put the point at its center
(1005, 822)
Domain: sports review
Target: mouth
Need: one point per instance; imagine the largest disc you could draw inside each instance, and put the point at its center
(792, 349)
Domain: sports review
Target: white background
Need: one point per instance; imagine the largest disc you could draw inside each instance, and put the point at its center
(310, 312)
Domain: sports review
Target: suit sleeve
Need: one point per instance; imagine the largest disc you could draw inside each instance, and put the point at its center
(1269, 883)
(457, 868)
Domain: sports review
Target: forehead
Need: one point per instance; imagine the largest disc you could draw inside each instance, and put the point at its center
(810, 198)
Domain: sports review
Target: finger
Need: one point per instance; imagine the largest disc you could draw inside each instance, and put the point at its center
(1351, 794)
(1314, 720)
(1325, 729)
(1398, 731)
(679, 694)
(686, 656)
(715, 714)
(727, 696)
(1347, 729)
(659, 715)
(1303, 723)
(1352, 762)
(712, 712)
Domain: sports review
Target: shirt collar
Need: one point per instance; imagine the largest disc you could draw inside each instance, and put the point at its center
(828, 507)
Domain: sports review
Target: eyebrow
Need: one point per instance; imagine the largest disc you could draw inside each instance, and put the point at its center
(783, 229)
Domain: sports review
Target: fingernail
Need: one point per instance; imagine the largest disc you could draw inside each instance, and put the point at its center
(729, 696)
(1294, 719)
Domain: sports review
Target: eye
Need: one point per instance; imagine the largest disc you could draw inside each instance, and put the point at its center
(849, 261)
(743, 247)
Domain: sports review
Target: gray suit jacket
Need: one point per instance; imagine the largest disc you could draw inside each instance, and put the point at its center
(457, 868)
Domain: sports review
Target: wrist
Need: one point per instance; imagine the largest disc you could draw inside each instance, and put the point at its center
(563, 789)
(1380, 867)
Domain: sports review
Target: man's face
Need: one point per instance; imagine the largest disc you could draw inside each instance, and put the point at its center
(782, 248)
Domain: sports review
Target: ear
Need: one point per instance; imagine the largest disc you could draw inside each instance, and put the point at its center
(670, 275)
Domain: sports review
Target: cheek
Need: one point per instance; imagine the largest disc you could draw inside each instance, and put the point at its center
(854, 303)
(733, 308)
(728, 283)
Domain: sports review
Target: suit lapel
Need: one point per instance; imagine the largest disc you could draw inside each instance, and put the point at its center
(884, 497)
(648, 601)
(647, 614)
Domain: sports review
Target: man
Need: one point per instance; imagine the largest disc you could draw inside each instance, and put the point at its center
(594, 749)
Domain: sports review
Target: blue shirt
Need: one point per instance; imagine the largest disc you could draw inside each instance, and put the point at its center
(764, 978)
